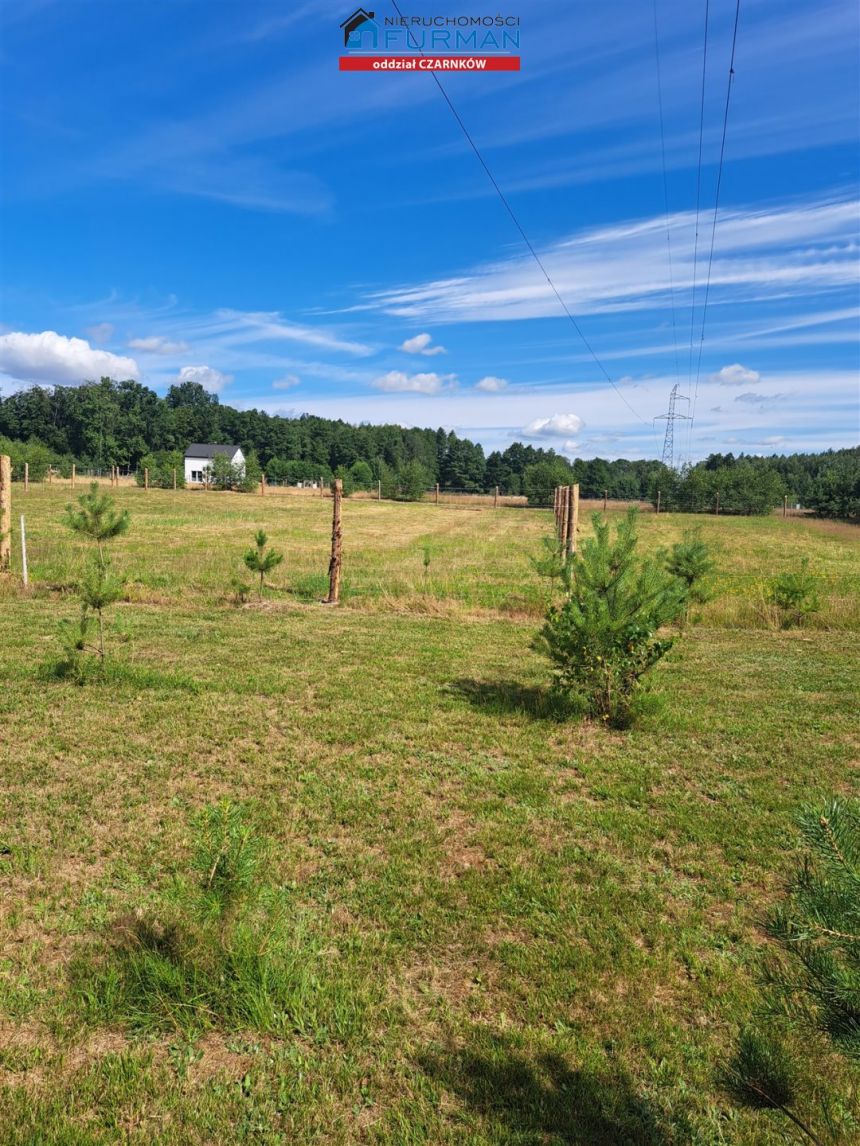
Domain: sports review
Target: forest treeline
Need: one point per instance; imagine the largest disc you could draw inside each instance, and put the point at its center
(101, 424)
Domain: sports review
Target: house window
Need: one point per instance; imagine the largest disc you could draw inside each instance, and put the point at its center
(197, 475)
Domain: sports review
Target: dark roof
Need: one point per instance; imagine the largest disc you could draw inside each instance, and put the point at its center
(200, 450)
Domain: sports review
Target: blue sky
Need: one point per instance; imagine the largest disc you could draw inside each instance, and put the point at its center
(193, 190)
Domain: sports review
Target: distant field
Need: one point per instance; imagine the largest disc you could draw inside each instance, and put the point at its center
(508, 929)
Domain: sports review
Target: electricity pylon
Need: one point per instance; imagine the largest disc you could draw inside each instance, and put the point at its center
(672, 417)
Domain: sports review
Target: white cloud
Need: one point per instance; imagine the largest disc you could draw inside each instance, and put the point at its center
(287, 382)
(101, 332)
(420, 344)
(56, 360)
(807, 248)
(158, 345)
(557, 426)
(396, 382)
(207, 376)
(761, 399)
(491, 385)
(736, 375)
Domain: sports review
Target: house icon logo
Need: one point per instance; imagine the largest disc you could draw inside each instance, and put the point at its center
(356, 21)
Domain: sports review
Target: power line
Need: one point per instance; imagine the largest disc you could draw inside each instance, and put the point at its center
(716, 208)
(519, 226)
(698, 202)
(666, 192)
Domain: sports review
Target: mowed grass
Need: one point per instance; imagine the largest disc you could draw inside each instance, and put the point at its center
(507, 928)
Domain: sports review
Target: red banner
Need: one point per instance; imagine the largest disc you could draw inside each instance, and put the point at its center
(429, 63)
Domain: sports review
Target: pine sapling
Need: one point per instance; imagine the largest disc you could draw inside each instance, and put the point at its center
(262, 560)
(604, 637)
(96, 517)
(690, 561)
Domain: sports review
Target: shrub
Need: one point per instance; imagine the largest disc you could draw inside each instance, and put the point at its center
(604, 638)
(794, 595)
(161, 465)
(262, 560)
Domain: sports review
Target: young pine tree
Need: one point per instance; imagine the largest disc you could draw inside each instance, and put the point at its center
(95, 517)
(690, 561)
(604, 637)
(262, 560)
(812, 988)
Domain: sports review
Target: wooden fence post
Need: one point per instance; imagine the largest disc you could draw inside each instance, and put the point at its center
(25, 573)
(145, 478)
(658, 501)
(572, 520)
(496, 498)
(555, 507)
(336, 544)
(437, 493)
(379, 491)
(26, 477)
(50, 475)
(785, 505)
(717, 506)
(74, 469)
(5, 511)
(562, 514)
(605, 492)
(262, 485)
(322, 487)
(174, 477)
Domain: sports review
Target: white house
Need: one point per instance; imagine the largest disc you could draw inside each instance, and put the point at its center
(198, 459)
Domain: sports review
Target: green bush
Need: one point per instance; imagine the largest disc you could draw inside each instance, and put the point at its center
(604, 637)
(33, 453)
(794, 595)
(161, 465)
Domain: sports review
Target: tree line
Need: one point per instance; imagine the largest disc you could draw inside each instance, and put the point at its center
(101, 424)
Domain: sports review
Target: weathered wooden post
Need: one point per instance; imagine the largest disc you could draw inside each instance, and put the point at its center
(555, 507)
(174, 477)
(74, 469)
(562, 513)
(496, 498)
(572, 520)
(785, 505)
(717, 505)
(437, 493)
(145, 478)
(25, 573)
(26, 477)
(605, 492)
(379, 491)
(658, 501)
(322, 488)
(50, 475)
(262, 485)
(336, 544)
(5, 511)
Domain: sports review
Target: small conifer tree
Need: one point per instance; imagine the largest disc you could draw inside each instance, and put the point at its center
(260, 559)
(604, 638)
(690, 561)
(96, 517)
(813, 985)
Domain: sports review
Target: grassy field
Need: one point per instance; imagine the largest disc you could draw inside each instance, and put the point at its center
(500, 927)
